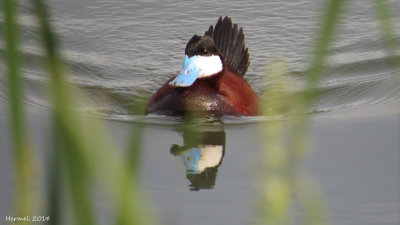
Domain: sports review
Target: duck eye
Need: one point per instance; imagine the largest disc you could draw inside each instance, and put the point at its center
(188, 158)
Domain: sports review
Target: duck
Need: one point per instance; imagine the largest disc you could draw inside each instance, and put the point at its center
(211, 81)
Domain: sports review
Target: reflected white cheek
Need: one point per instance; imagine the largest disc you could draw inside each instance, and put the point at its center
(208, 65)
(211, 156)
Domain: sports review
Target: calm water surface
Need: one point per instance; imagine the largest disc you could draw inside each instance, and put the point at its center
(121, 51)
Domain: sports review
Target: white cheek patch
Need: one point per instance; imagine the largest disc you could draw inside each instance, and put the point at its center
(208, 65)
(211, 156)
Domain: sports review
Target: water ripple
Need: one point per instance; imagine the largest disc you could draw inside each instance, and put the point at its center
(119, 53)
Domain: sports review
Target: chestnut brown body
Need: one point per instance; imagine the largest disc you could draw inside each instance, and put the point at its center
(223, 94)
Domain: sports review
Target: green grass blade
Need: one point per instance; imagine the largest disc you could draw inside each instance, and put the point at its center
(386, 25)
(87, 150)
(287, 141)
(389, 36)
(325, 36)
(323, 43)
(70, 149)
(55, 179)
(22, 151)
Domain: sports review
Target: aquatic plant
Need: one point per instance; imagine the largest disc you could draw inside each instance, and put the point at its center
(286, 138)
(22, 149)
(81, 145)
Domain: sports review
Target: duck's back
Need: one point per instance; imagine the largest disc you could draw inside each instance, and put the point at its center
(239, 94)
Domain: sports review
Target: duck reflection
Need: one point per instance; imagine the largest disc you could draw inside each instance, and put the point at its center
(202, 154)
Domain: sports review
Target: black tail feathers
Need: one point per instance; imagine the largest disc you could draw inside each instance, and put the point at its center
(230, 43)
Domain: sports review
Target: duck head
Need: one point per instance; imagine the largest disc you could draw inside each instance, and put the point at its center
(201, 60)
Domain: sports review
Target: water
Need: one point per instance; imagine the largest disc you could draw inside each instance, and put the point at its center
(120, 52)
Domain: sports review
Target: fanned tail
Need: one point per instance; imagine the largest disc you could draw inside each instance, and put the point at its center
(230, 43)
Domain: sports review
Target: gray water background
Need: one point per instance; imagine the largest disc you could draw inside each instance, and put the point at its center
(120, 51)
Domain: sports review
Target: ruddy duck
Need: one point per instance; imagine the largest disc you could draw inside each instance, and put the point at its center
(211, 81)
